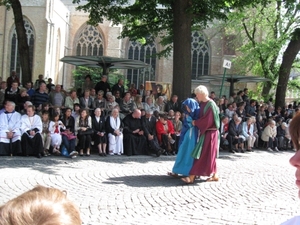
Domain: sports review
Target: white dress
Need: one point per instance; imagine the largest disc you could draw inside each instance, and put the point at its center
(115, 142)
(56, 138)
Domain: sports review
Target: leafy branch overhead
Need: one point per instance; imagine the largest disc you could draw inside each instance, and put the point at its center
(264, 33)
(168, 21)
(147, 20)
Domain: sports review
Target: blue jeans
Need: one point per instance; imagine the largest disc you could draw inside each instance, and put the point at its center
(69, 144)
(272, 143)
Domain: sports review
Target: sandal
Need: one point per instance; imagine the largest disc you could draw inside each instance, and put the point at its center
(172, 174)
(213, 178)
(188, 180)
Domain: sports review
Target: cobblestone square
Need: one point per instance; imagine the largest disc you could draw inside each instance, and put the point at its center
(254, 188)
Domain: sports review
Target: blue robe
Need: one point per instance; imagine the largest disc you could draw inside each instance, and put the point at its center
(188, 139)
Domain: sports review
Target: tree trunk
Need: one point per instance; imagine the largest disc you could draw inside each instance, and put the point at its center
(22, 41)
(284, 72)
(182, 49)
(266, 89)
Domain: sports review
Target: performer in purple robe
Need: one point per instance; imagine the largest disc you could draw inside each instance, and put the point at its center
(206, 150)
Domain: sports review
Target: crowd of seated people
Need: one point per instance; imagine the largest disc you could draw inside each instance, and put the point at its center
(247, 124)
(43, 119)
(46, 120)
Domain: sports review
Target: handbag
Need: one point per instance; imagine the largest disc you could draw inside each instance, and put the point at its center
(88, 131)
(70, 136)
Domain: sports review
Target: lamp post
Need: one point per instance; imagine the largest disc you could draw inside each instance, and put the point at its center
(226, 65)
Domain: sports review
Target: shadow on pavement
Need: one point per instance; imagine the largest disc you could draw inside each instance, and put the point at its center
(150, 181)
(54, 164)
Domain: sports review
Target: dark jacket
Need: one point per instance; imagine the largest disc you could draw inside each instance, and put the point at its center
(234, 130)
(83, 103)
(149, 125)
(121, 89)
(98, 127)
(71, 123)
(131, 124)
(174, 106)
(280, 132)
(11, 96)
(104, 86)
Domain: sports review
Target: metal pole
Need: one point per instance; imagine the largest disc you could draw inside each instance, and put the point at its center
(222, 83)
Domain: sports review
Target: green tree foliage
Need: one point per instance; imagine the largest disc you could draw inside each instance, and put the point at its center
(263, 34)
(171, 21)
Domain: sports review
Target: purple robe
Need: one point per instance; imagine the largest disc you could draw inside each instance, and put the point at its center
(206, 164)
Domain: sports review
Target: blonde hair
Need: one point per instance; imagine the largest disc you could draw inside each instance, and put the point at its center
(42, 206)
(201, 89)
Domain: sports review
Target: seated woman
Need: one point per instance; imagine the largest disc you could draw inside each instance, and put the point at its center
(100, 102)
(114, 129)
(68, 136)
(165, 134)
(21, 99)
(171, 115)
(148, 105)
(111, 104)
(269, 135)
(45, 107)
(54, 127)
(31, 128)
(99, 137)
(248, 133)
(76, 111)
(83, 128)
(177, 127)
(138, 104)
(26, 209)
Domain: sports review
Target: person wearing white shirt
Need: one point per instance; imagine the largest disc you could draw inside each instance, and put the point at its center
(10, 134)
(31, 127)
(248, 129)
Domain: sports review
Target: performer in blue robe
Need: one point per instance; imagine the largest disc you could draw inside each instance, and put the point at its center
(188, 139)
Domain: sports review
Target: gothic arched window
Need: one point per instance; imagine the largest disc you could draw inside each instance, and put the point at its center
(14, 56)
(200, 55)
(145, 53)
(89, 42)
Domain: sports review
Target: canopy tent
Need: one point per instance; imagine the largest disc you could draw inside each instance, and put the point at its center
(232, 79)
(106, 62)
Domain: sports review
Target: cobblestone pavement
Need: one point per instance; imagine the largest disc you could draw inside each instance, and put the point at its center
(255, 188)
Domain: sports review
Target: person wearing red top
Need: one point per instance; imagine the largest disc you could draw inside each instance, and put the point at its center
(13, 77)
(165, 134)
(133, 91)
